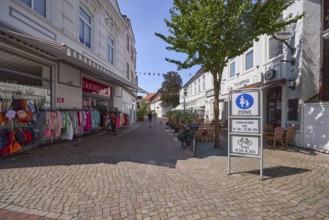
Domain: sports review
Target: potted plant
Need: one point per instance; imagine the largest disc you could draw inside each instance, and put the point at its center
(142, 111)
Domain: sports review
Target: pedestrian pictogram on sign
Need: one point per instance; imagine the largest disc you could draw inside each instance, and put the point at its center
(245, 101)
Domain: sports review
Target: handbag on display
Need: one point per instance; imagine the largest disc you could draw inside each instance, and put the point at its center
(3, 139)
(3, 118)
(24, 114)
(10, 114)
(20, 137)
(14, 146)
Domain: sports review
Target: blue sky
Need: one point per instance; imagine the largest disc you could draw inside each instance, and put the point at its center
(147, 17)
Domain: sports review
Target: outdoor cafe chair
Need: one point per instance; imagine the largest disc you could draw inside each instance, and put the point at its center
(275, 136)
(290, 135)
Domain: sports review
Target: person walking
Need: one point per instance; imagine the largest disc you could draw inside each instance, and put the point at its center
(155, 117)
(112, 124)
(150, 117)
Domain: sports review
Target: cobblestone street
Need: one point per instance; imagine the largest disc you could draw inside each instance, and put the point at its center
(143, 173)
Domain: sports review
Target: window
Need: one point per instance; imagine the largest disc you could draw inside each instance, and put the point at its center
(293, 109)
(127, 71)
(128, 42)
(275, 48)
(85, 28)
(249, 60)
(37, 5)
(199, 85)
(203, 82)
(195, 88)
(110, 50)
(232, 69)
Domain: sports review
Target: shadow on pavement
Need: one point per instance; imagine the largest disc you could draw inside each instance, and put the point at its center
(141, 142)
(277, 171)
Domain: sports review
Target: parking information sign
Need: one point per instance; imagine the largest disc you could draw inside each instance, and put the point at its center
(245, 125)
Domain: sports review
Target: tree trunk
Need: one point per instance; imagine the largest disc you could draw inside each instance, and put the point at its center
(216, 108)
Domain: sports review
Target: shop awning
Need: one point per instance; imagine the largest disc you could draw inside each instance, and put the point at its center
(179, 107)
(62, 52)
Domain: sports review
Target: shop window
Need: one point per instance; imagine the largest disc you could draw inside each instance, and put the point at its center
(249, 61)
(22, 78)
(37, 5)
(232, 69)
(85, 28)
(110, 50)
(274, 107)
(275, 48)
(293, 110)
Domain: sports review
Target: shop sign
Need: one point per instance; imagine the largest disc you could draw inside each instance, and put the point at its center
(86, 102)
(245, 144)
(284, 34)
(270, 74)
(245, 104)
(60, 100)
(90, 86)
(245, 125)
(244, 81)
(210, 93)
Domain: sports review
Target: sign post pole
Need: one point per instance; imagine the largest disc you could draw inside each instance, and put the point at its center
(245, 125)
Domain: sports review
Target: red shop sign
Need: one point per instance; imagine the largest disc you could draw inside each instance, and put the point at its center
(60, 100)
(90, 86)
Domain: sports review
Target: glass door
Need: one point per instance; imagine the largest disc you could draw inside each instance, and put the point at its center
(274, 109)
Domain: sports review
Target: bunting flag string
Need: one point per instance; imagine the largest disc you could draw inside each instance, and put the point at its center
(162, 74)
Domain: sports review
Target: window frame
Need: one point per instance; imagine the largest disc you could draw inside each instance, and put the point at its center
(232, 62)
(32, 4)
(127, 72)
(87, 24)
(270, 38)
(110, 48)
(245, 60)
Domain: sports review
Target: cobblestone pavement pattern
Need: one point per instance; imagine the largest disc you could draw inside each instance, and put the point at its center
(143, 173)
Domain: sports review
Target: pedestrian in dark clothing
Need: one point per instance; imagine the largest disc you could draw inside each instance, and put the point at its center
(112, 124)
(150, 117)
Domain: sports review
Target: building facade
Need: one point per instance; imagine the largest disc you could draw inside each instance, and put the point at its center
(68, 54)
(288, 72)
(67, 68)
(291, 74)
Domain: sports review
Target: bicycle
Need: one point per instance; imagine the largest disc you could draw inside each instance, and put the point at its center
(188, 138)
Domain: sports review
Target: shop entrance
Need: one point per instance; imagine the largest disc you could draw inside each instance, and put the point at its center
(274, 109)
(96, 103)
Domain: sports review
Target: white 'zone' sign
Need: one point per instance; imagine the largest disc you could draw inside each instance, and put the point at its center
(245, 104)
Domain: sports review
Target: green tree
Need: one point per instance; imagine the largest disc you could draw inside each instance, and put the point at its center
(142, 109)
(170, 89)
(211, 32)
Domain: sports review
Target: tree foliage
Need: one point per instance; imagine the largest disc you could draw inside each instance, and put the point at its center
(170, 88)
(211, 32)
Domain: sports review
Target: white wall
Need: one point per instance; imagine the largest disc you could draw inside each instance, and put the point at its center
(315, 132)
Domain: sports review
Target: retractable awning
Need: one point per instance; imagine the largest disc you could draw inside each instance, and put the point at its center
(62, 52)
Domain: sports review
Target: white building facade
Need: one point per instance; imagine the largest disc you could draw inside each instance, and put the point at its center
(288, 75)
(79, 53)
(193, 95)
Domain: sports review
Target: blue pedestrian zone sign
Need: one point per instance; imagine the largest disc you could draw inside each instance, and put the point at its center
(245, 104)
(244, 101)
